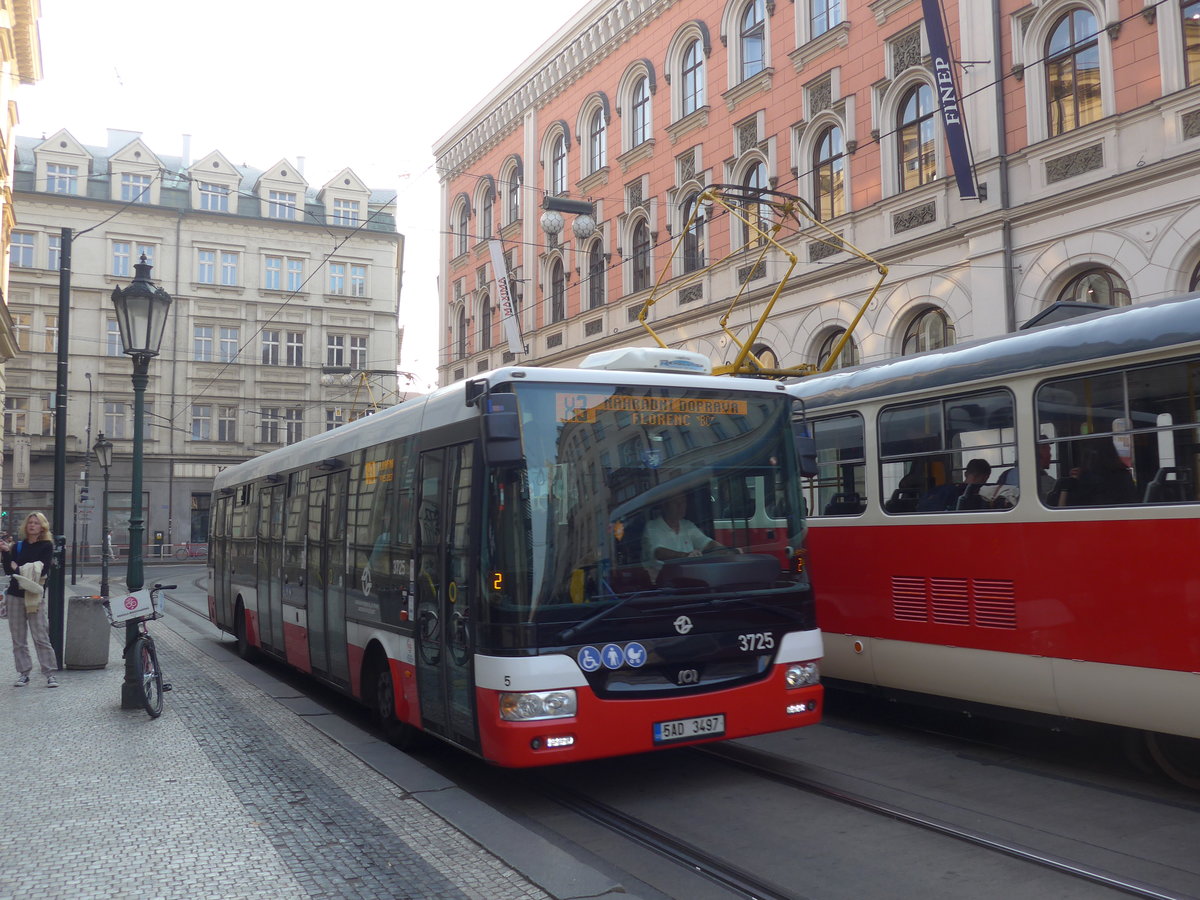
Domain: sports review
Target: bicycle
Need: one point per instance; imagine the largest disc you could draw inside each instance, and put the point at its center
(149, 673)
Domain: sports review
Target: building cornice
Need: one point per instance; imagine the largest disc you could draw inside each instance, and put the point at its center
(26, 41)
(552, 70)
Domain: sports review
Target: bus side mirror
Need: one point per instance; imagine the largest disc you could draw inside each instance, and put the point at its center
(806, 451)
(501, 430)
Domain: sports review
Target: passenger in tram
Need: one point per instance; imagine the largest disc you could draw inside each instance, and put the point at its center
(1102, 480)
(673, 536)
(1011, 479)
(964, 495)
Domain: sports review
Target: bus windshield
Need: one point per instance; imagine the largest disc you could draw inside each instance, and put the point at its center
(640, 492)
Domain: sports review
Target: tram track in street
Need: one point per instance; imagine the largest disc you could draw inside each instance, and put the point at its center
(783, 771)
(733, 878)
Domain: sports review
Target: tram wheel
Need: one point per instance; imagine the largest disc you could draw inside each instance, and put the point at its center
(399, 734)
(1177, 756)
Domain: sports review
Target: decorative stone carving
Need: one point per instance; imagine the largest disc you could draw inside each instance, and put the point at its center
(925, 214)
(906, 51)
(691, 293)
(747, 134)
(819, 250)
(1085, 159)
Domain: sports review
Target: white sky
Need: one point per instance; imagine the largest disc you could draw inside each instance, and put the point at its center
(359, 83)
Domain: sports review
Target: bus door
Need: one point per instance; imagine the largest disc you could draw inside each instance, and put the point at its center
(326, 541)
(444, 639)
(270, 560)
(221, 563)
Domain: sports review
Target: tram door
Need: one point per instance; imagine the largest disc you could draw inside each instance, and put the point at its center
(220, 562)
(327, 575)
(270, 561)
(445, 649)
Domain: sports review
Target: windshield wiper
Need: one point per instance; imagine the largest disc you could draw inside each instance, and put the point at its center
(568, 633)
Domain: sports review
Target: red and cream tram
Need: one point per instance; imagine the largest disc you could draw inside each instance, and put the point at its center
(1068, 583)
(471, 564)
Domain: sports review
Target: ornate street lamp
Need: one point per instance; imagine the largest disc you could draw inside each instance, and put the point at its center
(142, 310)
(103, 449)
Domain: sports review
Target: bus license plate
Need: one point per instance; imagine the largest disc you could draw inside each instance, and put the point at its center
(689, 729)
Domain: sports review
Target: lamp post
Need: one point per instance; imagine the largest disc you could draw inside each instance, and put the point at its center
(142, 310)
(103, 450)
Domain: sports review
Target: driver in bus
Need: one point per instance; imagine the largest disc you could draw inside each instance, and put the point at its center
(673, 536)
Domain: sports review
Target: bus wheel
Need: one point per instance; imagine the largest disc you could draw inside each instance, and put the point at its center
(399, 734)
(1177, 756)
(244, 650)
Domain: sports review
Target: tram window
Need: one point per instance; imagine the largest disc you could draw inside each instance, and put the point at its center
(840, 486)
(925, 446)
(1125, 437)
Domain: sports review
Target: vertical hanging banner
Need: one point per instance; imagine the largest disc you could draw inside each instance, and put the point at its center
(957, 140)
(508, 308)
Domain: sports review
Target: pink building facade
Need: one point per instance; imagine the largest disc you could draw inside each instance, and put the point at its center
(1084, 122)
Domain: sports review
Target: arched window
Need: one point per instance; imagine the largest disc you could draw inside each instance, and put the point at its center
(693, 235)
(755, 179)
(752, 39)
(514, 195)
(1098, 285)
(829, 174)
(1191, 40)
(558, 292)
(597, 141)
(928, 331)
(641, 256)
(485, 323)
(486, 213)
(558, 165)
(766, 356)
(1073, 72)
(461, 348)
(640, 123)
(1194, 283)
(692, 87)
(596, 267)
(462, 230)
(918, 157)
(848, 356)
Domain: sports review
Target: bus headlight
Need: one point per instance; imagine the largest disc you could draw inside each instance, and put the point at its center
(802, 674)
(526, 707)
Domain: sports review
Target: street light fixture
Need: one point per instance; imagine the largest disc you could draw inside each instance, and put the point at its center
(103, 449)
(142, 310)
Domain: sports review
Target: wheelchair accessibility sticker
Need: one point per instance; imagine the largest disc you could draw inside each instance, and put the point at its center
(611, 656)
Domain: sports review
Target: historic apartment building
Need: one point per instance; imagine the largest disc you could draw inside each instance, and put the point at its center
(1083, 116)
(272, 280)
(20, 63)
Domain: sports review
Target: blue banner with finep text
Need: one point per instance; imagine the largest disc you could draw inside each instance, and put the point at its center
(957, 140)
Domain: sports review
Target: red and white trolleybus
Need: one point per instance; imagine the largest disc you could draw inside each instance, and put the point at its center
(1068, 584)
(471, 564)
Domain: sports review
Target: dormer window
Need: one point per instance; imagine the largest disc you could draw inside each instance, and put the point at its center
(61, 179)
(345, 212)
(281, 205)
(135, 188)
(214, 197)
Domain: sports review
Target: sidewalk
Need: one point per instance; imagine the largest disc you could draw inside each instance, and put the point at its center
(238, 791)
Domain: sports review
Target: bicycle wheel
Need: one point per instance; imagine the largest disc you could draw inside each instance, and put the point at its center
(149, 675)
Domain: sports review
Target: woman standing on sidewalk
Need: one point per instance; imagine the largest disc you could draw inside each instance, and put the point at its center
(33, 546)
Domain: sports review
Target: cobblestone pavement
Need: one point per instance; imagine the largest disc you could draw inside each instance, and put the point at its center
(228, 795)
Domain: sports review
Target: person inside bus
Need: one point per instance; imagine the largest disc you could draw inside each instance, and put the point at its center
(673, 536)
(964, 495)
(1102, 480)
